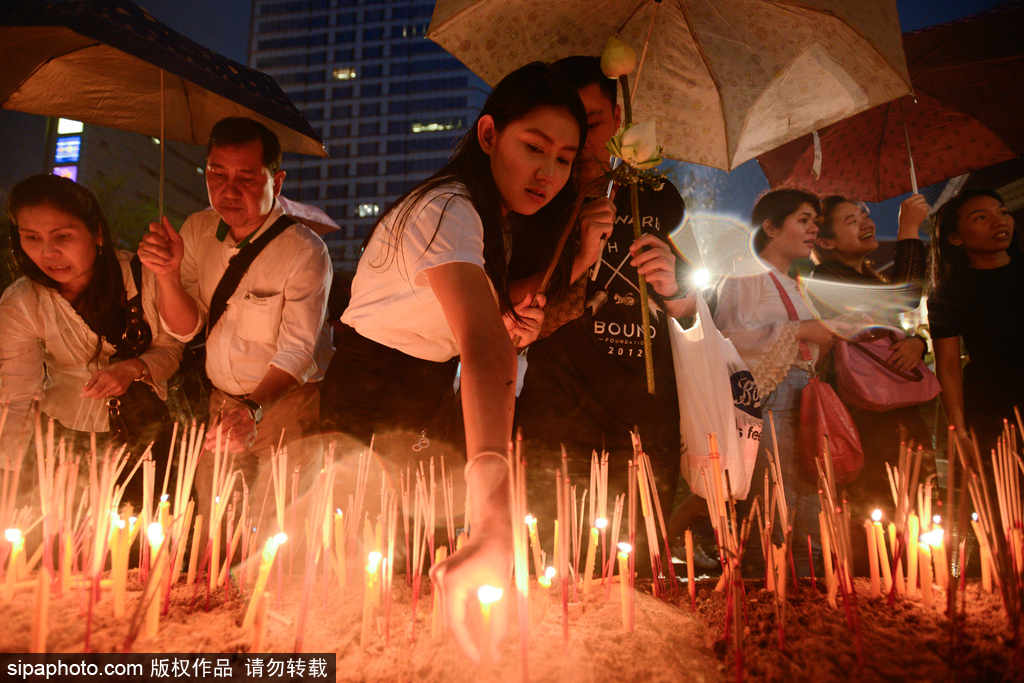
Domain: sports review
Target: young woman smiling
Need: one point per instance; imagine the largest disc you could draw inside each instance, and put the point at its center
(978, 296)
(751, 312)
(432, 288)
(63, 325)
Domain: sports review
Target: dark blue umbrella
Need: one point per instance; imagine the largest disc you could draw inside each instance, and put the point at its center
(110, 63)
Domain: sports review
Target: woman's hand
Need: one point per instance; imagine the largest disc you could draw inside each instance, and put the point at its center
(485, 561)
(907, 353)
(113, 380)
(657, 264)
(533, 318)
(913, 210)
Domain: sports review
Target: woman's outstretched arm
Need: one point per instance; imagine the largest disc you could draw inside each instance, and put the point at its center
(951, 377)
(488, 400)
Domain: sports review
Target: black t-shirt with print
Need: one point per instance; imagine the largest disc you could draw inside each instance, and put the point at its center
(586, 383)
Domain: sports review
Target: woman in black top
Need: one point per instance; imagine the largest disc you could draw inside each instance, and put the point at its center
(978, 280)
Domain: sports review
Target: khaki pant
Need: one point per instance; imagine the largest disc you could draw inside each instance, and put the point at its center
(298, 416)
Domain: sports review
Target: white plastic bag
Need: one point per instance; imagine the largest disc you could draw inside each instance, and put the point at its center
(716, 394)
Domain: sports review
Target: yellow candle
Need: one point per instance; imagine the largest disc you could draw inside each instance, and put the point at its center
(368, 597)
(913, 546)
(164, 512)
(158, 559)
(872, 559)
(925, 556)
(883, 557)
(539, 598)
(39, 625)
(17, 542)
(266, 563)
(986, 556)
(941, 566)
(193, 558)
(259, 628)
(588, 577)
(119, 566)
(625, 587)
(487, 596)
(339, 547)
(690, 574)
(538, 566)
(558, 548)
(436, 626)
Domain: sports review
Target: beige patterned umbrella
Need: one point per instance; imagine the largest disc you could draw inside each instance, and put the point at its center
(725, 79)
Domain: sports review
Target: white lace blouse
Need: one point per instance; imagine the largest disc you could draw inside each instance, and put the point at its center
(752, 315)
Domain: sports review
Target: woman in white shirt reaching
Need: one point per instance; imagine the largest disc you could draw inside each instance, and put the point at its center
(432, 287)
(753, 315)
(63, 325)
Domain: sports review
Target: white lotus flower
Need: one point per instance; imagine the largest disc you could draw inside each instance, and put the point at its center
(637, 145)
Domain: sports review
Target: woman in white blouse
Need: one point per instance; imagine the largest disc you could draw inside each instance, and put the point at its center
(63, 323)
(752, 314)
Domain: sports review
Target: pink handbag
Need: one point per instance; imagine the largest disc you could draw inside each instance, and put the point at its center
(866, 379)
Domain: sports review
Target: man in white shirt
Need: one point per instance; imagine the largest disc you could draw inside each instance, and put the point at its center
(270, 347)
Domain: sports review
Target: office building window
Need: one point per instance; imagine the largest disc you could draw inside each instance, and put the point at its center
(366, 149)
(342, 131)
(366, 189)
(372, 128)
(368, 210)
(342, 93)
(369, 109)
(345, 73)
(337, 191)
(337, 171)
(437, 124)
(338, 151)
(305, 194)
(69, 126)
(366, 168)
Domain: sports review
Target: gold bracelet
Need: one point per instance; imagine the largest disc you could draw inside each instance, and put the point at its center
(145, 372)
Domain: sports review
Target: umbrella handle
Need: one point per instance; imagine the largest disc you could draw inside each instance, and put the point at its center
(910, 155)
(163, 141)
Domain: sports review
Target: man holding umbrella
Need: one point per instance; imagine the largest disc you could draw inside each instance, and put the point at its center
(585, 385)
(267, 343)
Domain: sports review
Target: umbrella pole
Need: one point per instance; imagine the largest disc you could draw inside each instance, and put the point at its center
(163, 141)
(643, 54)
(910, 155)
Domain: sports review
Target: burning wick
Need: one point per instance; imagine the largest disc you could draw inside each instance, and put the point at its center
(13, 535)
(876, 516)
(601, 523)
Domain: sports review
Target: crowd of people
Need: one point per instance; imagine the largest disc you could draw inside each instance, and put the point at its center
(447, 285)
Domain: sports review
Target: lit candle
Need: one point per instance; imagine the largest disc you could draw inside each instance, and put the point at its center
(602, 524)
(368, 597)
(259, 628)
(164, 511)
(539, 599)
(588, 576)
(925, 557)
(937, 540)
(538, 566)
(689, 570)
(883, 554)
(487, 595)
(17, 542)
(624, 585)
(266, 563)
(872, 557)
(158, 559)
(914, 531)
(119, 565)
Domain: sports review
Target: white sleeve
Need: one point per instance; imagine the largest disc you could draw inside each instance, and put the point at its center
(447, 229)
(738, 299)
(22, 370)
(189, 272)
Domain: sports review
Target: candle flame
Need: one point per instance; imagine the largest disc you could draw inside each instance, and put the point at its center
(374, 558)
(280, 538)
(13, 535)
(936, 519)
(120, 523)
(932, 538)
(337, 511)
(600, 522)
(155, 533)
(625, 548)
(164, 498)
(529, 519)
(549, 573)
(974, 516)
(133, 520)
(876, 516)
(489, 594)
(216, 499)
(544, 582)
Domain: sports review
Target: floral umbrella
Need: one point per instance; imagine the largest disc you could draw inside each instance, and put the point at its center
(964, 115)
(725, 80)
